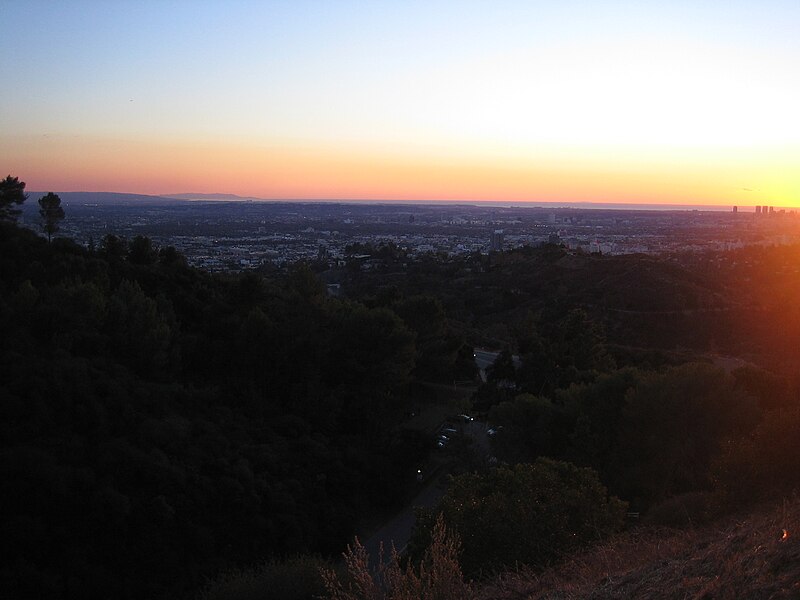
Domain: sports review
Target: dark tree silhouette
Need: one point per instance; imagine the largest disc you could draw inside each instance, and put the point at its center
(12, 191)
(141, 251)
(502, 369)
(525, 513)
(51, 213)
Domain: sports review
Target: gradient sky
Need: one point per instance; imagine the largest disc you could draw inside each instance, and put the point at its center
(676, 102)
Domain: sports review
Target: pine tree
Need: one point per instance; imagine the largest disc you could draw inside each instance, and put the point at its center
(51, 212)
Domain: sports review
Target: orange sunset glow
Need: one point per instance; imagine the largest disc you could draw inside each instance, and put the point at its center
(619, 104)
(352, 173)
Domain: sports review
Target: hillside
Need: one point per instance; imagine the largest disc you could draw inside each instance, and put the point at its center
(101, 198)
(158, 424)
(162, 425)
(736, 302)
(755, 555)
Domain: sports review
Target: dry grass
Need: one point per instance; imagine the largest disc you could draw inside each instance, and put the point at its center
(437, 577)
(732, 559)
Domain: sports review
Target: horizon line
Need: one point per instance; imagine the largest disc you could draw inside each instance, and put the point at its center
(573, 204)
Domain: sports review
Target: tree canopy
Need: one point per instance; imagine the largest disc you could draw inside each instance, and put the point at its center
(159, 423)
(51, 213)
(12, 193)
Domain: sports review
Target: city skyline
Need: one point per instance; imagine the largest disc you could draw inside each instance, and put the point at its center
(521, 102)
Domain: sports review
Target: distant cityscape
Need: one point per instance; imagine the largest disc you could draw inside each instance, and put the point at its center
(236, 235)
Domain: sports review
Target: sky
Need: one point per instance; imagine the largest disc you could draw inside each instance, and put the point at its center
(631, 102)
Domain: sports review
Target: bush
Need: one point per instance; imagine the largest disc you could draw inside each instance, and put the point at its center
(528, 513)
(673, 426)
(765, 464)
(297, 578)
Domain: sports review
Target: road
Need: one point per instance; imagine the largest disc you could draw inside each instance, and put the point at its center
(398, 530)
(484, 358)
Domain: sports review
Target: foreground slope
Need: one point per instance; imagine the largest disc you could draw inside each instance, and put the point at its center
(754, 555)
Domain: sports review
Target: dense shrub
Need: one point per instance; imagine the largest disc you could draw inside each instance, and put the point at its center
(528, 513)
(297, 578)
(672, 426)
(765, 464)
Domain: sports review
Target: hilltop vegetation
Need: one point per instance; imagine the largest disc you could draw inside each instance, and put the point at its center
(651, 309)
(684, 443)
(161, 425)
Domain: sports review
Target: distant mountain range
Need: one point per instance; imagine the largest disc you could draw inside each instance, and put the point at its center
(117, 198)
(193, 196)
(103, 198)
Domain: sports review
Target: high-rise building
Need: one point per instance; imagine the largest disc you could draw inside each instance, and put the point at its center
(735, 209)
(758, 210)
(497, 240)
